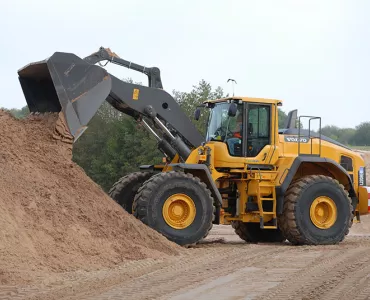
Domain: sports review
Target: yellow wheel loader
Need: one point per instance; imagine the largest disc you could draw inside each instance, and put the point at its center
(271, 185)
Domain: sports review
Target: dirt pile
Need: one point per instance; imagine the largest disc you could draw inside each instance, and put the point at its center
(53, 216)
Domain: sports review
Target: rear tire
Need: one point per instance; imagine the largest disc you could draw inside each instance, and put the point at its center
(252, 233)
(125, 189)
(317, 211)
(177, 205)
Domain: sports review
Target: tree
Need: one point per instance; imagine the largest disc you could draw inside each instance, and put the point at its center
(362, 135)
(114, 147)
(18, 113)
(346, 135)
(342, 135)
(282, 118)
(188, 102)
(331, 131)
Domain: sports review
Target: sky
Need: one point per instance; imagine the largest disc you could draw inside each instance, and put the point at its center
(313, 55)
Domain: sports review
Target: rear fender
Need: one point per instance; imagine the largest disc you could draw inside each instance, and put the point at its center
(307, 165)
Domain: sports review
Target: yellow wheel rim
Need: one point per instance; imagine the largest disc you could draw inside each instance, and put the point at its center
(179, 211)
(323, 212)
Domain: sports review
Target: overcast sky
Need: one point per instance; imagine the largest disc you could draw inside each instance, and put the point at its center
(313, 55)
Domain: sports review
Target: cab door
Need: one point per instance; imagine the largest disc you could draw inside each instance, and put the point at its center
(258, 132)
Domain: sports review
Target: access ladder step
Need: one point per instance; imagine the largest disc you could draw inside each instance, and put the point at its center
(268, 225)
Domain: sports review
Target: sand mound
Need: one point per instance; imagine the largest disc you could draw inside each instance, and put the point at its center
(53, 216)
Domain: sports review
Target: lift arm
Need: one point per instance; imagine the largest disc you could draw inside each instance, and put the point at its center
(77, 87)
(153, 73)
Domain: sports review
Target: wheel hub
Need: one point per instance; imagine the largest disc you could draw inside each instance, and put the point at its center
(323, 212)
(179, 211)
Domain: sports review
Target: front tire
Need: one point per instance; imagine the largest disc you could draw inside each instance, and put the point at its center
(177, 205)
(317, 211)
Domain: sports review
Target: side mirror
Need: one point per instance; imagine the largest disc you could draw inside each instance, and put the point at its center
(233, 108)
(197, 114)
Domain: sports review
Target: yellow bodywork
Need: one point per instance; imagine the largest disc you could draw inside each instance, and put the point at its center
(279, 155)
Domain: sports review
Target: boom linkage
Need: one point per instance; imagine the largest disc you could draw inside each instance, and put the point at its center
(77, 87)
(169, 144)
(153, 73)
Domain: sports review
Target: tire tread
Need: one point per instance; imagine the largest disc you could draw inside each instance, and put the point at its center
(287, 220)
(124, 186)
(142, 198)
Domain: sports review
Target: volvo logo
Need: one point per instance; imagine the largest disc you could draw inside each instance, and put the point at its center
(294, 139)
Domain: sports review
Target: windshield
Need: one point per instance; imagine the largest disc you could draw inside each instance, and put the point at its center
(221, 126)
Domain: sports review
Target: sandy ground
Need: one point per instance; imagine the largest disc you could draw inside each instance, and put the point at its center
(223, 267)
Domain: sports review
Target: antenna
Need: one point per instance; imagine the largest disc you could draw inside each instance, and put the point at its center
(233, 81)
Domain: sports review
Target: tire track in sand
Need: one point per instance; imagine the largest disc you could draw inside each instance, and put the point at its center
(325, 275)
(133, 275)
(356, 279)
(188, 273)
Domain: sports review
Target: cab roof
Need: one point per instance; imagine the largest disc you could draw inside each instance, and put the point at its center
(246, 99)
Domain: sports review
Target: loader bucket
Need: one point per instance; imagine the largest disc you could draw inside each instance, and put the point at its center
(65, 83)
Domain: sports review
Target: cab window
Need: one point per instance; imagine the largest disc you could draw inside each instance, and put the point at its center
(258, 129)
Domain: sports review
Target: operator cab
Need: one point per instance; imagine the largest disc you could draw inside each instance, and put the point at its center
(226, 123)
